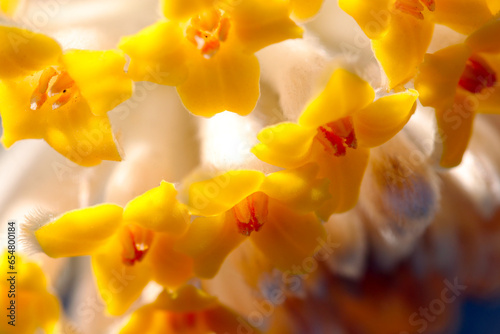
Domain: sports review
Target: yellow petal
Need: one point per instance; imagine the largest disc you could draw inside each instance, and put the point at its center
(344, 94)
(259, 23)
(157, 54)
(464, 16)
(222, 320)
(285, 145)
(79, 232)
(455, 128)
(383, 119)
(373, 16)
(298, 188)
(288, 238)
(208, 241)
(227, 81)
(221, 193)
(494, 6)
(119, 285)
(485, 39)
(402, 49)
(18, 121)
(23, 52)
(158, 210)
(345, 175)
(438, 76)
(305, 9)
(100, 77)
(170, 268)
(182, 9)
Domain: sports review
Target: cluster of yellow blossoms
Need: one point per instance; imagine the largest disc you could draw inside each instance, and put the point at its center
(176, 235)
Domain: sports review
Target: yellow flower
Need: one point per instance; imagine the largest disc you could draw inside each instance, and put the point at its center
(273, 212)
(187, 310)
(61, 98)
(460, 81)
(129, 247)
(206, 49)
(336, 131)
(34, 307)
(401, 30)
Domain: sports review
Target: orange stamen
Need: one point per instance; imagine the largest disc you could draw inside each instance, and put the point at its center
(136, 242)
(251, 213)
(337, 136)
(477, 75)
(207, 30)
(53, 82)
(415, 7)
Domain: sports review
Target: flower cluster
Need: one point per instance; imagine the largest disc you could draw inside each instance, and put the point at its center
(325, 173)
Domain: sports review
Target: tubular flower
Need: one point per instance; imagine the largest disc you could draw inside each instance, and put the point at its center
(129, 247)
(187, 310)
(273, 212)
(61, 98)
(401, 30)
(34, 308)
(336, 131)
(460, 81)
(206, 49)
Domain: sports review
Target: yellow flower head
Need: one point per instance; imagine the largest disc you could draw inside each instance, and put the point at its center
(206, 49)
(273, 212)
(460, 81)
(129, 247)
(401, 30)
(34, 307)
(62, 98)
(336, 131)
(187, 310)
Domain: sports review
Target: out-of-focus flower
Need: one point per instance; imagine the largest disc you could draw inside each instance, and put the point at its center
(34, 307)
(460, 81)
(336, 131)
(273, 212)
(205, 48)
(9, 6)
(186, 310)
(62, 98)
(133, 242)
(401, 30)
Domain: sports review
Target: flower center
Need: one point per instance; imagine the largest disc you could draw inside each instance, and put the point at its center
(477, 75)
(207, 30)
(415, 7)
(136, 242)
(53, 82)
(337, 136)
(251, 213)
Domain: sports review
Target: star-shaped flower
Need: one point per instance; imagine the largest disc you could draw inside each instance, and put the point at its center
(206, 49)
(460, 81)
(61, 98)
(273, 211)
(401, 30)
(129, 247)
(336, 131)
